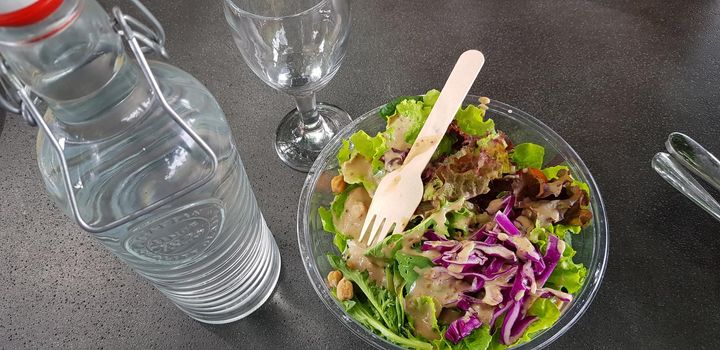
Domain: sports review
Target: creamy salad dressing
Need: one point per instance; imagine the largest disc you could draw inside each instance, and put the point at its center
(357, 260)
(409, 240)
(447, 316)
(484, 312)
(396, 145)
(442, 287)
(466, 173)
(547, 211)
(445, 291)
(351, 220)
(357, 169)
(493, 294)
(423, 319)
(399, 127)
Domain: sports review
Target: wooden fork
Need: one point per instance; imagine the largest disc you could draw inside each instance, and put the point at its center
(400, 191)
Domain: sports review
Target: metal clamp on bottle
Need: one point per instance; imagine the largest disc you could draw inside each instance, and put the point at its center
(18, 99)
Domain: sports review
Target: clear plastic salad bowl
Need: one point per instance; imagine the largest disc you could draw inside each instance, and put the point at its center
(591, 244)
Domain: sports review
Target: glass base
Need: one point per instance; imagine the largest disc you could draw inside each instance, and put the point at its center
(298, 146)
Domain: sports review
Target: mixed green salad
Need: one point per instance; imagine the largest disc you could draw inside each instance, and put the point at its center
(487, 260)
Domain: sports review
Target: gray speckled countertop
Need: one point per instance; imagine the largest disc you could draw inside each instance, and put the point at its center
(612, 77)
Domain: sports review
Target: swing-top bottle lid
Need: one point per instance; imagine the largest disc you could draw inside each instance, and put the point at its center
(19, 13)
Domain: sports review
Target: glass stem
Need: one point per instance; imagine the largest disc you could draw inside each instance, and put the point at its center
(307, 107)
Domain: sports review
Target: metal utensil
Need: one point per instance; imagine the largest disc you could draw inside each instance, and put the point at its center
(399, 192)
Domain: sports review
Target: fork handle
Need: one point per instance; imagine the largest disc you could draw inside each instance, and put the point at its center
(453, 93)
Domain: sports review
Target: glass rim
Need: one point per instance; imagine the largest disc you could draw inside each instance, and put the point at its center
(571, 313)
(236, 8)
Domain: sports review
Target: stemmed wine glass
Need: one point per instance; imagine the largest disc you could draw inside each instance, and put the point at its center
(295, 46)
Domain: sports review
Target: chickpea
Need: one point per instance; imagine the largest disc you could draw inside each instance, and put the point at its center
(344, 290)
(333, 278)
(337, 184)
(484, 100)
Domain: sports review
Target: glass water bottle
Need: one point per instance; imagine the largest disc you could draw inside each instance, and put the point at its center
(139, 153)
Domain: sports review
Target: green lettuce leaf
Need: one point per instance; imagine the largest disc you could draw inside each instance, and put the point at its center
(380, 299)
(360, 162)
(372, 148)
(361, 312)
(547, 314)
(539, 236)
(389, 109)
(495, 344)
(442, 343)
(417, 113)
(344, 153)
(551, 172)
(359, 170)
(562, 229)
(568, 275)
(431, 97)
(471, 120)
(395, 284)
(424, 306)
(461, 219)
(338, 204)
(445, 147)
(528, 155)
(440, 216)
(583, 186)
(414, 109)
(434, 190)
(340, 241)
(406, 265)
(386, 248)
(479, 339)
(326, 217)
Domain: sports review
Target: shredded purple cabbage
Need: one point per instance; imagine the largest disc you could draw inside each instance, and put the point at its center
(495, 250)
(519, 328)
(504, 222)
(524, 280)
(511, 316)
(499, 312)
(549, 293)
(466, 302)
(509, 202)
(552, 257)
(430, 235)
(501, 265)
(462, 327)
(440, 246)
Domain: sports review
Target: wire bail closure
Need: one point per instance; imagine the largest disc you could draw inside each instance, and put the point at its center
(17, 98)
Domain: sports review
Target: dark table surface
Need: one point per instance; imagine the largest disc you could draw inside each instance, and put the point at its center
(612, 77)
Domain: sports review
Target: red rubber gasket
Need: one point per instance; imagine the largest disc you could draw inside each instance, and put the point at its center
(30, 14)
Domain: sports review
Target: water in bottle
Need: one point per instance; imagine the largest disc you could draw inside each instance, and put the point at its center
(150, 192)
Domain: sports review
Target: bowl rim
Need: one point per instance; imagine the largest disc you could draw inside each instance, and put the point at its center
(573, 311)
